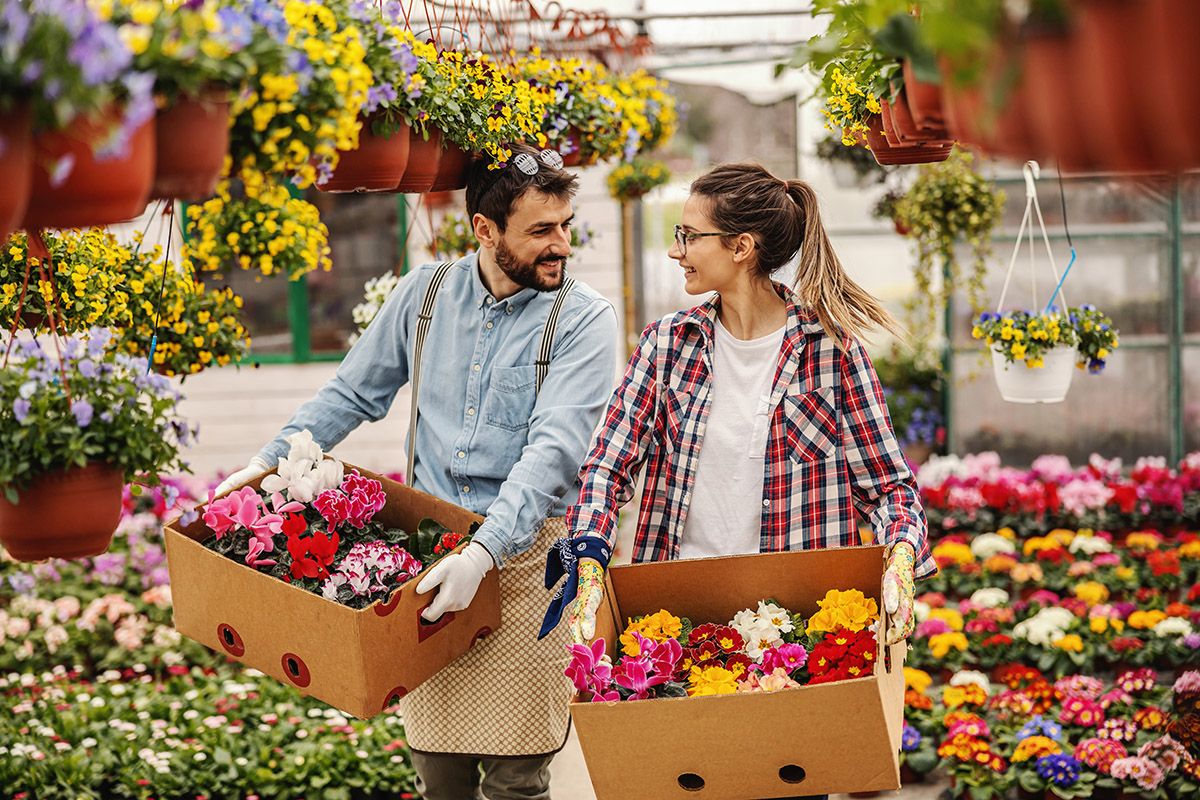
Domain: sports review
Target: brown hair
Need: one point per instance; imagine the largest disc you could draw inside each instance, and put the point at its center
(784, 217)
(494, 192)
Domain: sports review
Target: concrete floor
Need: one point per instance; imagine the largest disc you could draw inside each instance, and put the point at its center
(569, 780)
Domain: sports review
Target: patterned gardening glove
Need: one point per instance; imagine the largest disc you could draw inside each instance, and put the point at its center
(898, 591)
(581, 620)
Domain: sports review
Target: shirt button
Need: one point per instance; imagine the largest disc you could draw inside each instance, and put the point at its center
(466, 490)
(471, 412)
(462, 454)
(508, 310)
(766, 503)
(476, 368)
(487, 301)
(490, 326)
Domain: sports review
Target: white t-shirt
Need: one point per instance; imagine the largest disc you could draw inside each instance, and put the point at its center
(725, 514)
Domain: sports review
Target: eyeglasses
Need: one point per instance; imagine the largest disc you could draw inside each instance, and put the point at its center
(682, 237)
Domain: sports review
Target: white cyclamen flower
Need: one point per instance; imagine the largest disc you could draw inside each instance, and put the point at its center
(986, 545)
(990, 597)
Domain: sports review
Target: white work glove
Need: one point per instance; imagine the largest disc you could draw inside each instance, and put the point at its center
(457, 578)
(251, 471)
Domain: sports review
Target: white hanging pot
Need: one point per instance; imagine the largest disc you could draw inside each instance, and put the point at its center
(1045, 384)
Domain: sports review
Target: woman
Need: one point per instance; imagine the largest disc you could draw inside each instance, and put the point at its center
(759, 414)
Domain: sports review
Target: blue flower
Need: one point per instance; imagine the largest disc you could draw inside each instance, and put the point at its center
(83, 411)
(910, 738)
(21, 409)
(1061, 770)
(236, 26)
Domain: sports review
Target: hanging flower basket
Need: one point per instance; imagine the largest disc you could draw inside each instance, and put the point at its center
(1053, 106)
(452, 168)
(16, 168)
(377, 165)
(907, 129)
(572, 148)
(93, 192)
(438, 199)
(1168, 93)
(66, 514)
(423, 157)
(191, 141)
(1049, 383)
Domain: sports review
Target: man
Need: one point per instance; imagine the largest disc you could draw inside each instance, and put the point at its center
(496, 439)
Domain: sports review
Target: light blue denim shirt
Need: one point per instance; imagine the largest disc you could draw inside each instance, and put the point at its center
(485, 440)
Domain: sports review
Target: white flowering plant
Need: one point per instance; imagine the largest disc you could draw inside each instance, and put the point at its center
(314, 525)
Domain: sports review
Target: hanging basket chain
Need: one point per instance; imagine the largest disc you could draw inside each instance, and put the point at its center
(168, 214)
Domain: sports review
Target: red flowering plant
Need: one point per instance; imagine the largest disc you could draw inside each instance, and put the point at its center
(313, 525)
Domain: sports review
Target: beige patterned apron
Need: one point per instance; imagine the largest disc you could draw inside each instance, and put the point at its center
(507, 696)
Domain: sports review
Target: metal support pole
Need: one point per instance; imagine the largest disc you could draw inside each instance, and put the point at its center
(948, 360)
(629, 221)
(1176, 333)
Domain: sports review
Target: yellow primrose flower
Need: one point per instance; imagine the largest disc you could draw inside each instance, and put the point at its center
(704, 681)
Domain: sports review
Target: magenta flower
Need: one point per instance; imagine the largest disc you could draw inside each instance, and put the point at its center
(333, 506)
(664, 656)
(257, 548)
(590, 671)
(788, 657)
(240, 509)
(638, 676)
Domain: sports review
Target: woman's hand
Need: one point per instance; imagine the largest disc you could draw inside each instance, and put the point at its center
(898, 591)
(581, 620)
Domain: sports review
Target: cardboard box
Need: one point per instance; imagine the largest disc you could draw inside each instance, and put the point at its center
(834, 737)
(357, 660)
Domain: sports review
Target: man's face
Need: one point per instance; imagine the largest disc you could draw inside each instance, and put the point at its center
(533, 250)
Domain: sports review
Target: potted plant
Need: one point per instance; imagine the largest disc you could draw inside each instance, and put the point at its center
(181, 326)
(379, 161)
(912, 386)
(885, 209)
(632, 179)
(199, 54)
(853, 166)
(581, 117)
(80, 426)
(262, 227)
(304, 102)
(948, 203)
(1048, 345)
(84, 283)
(93, 156)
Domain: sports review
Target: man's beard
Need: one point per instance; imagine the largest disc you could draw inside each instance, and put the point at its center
(525, 273)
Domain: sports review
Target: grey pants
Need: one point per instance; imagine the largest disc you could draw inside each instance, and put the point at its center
(449, 776)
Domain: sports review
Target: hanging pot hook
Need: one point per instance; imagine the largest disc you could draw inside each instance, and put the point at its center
(1032, 172)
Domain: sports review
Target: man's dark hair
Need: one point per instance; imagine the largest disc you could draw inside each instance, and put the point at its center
(494, 192)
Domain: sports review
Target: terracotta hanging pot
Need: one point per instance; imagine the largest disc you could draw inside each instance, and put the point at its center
(1108, 84)
(1167, 63)
(94, 192)
(906, 127)
(1014, 136)
(377, 165)
(963, 108)
(572, 150)
(1054, 111)
(924, 99)
(191, 139)
(16, 168)
(887, 155)
(67, 514)
(888, 124)
(452, 168)
(423, 157)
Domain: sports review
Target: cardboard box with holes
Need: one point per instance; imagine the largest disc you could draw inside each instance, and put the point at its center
(357, 660)
(838, 736)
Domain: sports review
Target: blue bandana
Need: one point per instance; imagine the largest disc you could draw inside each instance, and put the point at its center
(563, 559)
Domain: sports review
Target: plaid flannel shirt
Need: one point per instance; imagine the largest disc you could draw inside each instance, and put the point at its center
(830, 451)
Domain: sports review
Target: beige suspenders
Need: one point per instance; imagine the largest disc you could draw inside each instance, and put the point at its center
(425, 318)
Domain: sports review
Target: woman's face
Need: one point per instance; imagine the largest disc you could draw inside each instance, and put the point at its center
(708, 264)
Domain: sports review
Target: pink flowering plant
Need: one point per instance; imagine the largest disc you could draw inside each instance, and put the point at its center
(312, 524)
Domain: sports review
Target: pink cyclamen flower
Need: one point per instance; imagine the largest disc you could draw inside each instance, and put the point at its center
(664, 656)
(589, 670)
(257, 548)
(638, 676)
(239, 509)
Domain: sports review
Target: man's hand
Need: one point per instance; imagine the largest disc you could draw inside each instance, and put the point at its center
(582, 618)
(457, 578)
(898, 591)
(251, 471)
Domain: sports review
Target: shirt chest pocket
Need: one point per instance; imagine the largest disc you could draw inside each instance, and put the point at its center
(811, 425)
(510, 397)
